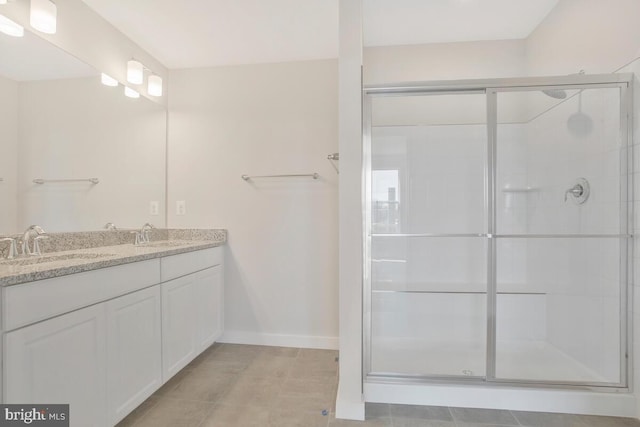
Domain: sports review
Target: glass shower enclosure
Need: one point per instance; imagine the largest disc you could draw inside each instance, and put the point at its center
(498, 231)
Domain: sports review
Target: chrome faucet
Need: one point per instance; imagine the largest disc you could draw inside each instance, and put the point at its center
(110, 226)
(39, 233)
(13, 251)
(144, 232)
(142, 236)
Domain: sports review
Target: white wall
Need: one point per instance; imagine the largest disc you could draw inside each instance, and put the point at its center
(444, 61)
(8, 154)
(281, 266)
(592, 35)
(79, 128)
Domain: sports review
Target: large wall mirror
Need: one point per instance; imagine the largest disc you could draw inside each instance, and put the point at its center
(60, 125)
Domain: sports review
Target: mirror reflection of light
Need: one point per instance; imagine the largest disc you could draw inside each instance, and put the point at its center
(10, 28)
(107, 80)
(131, 93)
(43, 15)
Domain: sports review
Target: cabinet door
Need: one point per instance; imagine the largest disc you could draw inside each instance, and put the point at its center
(209, 300)
(178, 325)
(61, 360)
(134, 364)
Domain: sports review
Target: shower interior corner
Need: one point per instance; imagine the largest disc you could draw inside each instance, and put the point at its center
(498, 232)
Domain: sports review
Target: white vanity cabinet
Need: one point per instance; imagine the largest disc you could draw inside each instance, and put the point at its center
(107, 357)
(134, 350)
(61, 360)
(192, 310)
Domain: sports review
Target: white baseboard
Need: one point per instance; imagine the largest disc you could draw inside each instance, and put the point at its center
(536, 400)
(279, 340)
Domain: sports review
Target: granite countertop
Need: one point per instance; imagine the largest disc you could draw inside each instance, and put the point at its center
(61, 263)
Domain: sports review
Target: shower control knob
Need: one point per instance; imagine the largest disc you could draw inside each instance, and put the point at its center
(580, 191)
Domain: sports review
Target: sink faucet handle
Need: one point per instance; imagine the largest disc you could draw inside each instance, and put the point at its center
(13, 251)
(139, 237)
(36, 244)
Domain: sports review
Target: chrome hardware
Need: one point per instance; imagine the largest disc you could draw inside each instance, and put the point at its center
(314, 175)
(44, 181)
(110, 226)
(13, 250)
(142, 236)
(34, 229)
(144, 232)
(36, 244)
(138, 240)
(580, 191)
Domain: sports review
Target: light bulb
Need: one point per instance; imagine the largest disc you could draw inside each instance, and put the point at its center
(107, 80)
(135, 72)
(154, 87)
(10, 28)
(3, 1)
(43, 16)
(131, 93)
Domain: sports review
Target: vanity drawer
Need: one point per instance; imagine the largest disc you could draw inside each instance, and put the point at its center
(175, 266)
(35, 301)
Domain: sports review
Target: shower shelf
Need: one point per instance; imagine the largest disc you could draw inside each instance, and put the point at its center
(520, 189)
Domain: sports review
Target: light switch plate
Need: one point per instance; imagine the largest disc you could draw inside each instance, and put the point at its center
(154, 207)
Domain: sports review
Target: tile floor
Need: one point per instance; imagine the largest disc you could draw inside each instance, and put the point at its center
(232, 385)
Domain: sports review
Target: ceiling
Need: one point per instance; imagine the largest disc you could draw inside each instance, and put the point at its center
(32, 58)
(201, 33)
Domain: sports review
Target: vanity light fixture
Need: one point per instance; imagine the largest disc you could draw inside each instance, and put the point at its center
(10, 28)
(131, 93)
(43, 16)
(107, 80)
(135, 72)
(154, 87)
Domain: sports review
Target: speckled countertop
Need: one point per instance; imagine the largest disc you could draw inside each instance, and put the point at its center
(64, 262)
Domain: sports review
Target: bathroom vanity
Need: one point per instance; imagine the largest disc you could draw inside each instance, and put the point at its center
(103, 328)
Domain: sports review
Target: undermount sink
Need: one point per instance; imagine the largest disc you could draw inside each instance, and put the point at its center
(51, 258)
(167, 244)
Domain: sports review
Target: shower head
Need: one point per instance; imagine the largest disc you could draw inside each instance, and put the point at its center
(555, 93)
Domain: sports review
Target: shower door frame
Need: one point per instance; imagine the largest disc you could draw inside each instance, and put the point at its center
(491, 87)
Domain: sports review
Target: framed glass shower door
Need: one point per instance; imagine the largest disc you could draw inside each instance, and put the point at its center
(498, 231)
(427, 239)
(561, 234)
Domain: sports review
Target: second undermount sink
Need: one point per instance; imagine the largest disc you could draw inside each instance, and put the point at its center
(51, 258)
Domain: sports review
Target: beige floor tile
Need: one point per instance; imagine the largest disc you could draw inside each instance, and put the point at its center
(137, 413)
(308, 368)
(418, 422)
(172, 383)
(281, 351)
(315, 354)
(255, 391)
(293, 418)
(315, 388)
(174, 413)
(240, 416)
(543, 419)
(269, 365)
(596, 421)
(208, 387)
(223, 366)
